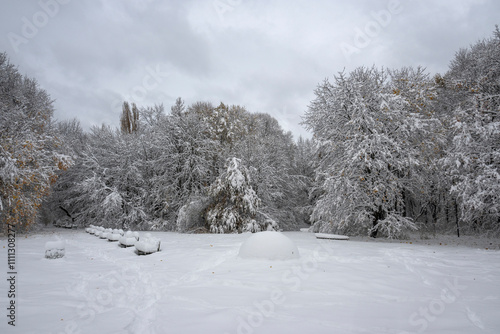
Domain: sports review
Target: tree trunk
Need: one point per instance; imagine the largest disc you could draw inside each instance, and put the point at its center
(376, 217)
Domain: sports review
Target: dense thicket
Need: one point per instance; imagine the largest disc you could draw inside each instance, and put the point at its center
(197, 168)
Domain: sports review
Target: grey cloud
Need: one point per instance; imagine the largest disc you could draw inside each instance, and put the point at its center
(267, 56)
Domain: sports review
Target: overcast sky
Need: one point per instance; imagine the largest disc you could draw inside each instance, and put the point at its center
(265, 55)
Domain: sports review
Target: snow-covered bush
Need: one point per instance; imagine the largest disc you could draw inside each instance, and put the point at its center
(104, 233)
(114, 236)
(267, 224)
(269, 245)
(235, 203)
(55, 249)
(128, 239)
(147, 245)
(98, 230)
(190, 216)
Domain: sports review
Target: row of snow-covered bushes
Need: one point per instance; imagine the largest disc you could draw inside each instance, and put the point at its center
(148, 244)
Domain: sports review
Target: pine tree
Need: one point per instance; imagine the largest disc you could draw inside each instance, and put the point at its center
(235, 203)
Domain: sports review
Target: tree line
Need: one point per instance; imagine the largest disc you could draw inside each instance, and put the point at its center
(398, 150)
(392, 151)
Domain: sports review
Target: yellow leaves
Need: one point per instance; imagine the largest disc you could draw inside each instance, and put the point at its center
(52, 179)
(396, 91)
(28, 145)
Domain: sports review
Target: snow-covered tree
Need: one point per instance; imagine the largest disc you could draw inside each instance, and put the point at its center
(270, 154)
(473, 160)
(129, 120)
(366, 130)
(235, 203)
(29, 158)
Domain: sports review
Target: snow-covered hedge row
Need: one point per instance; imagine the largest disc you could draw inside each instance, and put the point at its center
(147, 245)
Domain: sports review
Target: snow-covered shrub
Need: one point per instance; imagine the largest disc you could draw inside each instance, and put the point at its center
(98, 230)
(266, 224)
(114, 236)
(269, 245)
(395, 228)
(55, 249)
(235, 203)
(104, 233)
(128, 239)
(147, 245)
(190, 216)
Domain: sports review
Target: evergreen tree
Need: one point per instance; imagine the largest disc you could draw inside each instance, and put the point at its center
(235, 203)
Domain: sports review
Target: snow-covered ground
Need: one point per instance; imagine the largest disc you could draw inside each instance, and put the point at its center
(199, 284)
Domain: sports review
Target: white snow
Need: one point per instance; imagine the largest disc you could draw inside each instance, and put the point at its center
(129, 239)
(269, 245)
(114, 236)
(199, 284)
(148, 244)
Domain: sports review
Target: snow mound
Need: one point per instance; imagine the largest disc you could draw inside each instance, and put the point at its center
(114, 236)
(55, 249)
(148, 245)
(129, 239)
(269, 245)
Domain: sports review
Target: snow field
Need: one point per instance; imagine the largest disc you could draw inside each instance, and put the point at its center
(199, 283)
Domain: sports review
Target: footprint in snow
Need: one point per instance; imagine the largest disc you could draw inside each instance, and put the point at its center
(474, 318)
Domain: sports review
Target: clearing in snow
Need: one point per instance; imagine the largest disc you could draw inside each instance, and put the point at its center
(199, 284)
